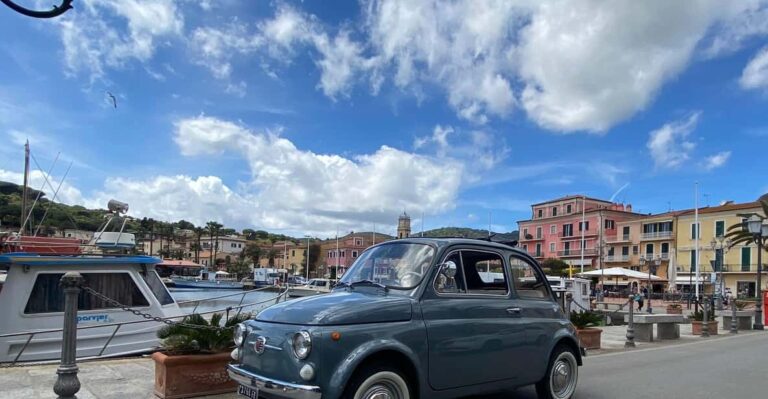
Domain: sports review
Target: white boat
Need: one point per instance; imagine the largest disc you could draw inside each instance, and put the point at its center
(207, 280)
(314, 286)
(32, 305)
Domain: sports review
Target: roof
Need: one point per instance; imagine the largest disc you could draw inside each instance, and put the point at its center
(569, 197)
(177, 262)
(721, 208)
(20, 258)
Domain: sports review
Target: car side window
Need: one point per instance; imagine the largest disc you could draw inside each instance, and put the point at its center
(478, 273)
(528, 283)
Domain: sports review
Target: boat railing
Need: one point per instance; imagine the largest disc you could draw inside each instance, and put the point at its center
(117, 326)
(197, 302)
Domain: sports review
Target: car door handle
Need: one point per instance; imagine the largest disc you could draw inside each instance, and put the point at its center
(514, 311)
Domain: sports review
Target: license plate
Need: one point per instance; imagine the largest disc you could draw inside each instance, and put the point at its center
(248, 392)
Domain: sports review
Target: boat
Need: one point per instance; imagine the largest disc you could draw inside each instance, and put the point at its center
(314, 286)
(207, 280)
(31, 301)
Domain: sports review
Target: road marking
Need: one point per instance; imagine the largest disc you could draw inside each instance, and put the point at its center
(673, 346)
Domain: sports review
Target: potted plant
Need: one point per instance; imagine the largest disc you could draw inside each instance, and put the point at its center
(674, 308)
(193, 361)
(697, 320)
(589, 337)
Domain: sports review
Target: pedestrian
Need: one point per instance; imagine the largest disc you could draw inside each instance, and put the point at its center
(640, 302)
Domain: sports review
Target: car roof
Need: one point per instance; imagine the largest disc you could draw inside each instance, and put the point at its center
(443, 242)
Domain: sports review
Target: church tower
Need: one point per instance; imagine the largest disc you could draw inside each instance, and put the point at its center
(404, 226)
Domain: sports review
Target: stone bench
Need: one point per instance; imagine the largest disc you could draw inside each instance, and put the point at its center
(607, 306)
(668, 326)
(743, 319)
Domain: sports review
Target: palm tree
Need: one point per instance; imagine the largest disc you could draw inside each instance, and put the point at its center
(739, 234)
(213, 229)
(253, 251)
(271, 254)
(199, 231)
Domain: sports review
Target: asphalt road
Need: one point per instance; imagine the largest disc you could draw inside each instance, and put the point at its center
(734, 367)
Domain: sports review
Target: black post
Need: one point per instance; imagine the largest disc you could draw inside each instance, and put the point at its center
(705, 325)
(759, 308)
(630, 343)
(67, 384)
(734, 327)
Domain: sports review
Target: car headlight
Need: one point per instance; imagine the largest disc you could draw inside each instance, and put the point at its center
(302, 344)
(239, 336)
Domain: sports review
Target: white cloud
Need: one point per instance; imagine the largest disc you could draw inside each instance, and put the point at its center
(215, 48)
(717, 160)
(67, 194)
(478, 150)
(291, 187)
(740, 21)
(669, 145)
(92, 42)
(755, 74)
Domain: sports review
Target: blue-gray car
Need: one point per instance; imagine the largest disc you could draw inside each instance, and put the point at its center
(415, 318)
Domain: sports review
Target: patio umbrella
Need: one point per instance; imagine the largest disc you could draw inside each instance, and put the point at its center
(672, 273)
(619, 272)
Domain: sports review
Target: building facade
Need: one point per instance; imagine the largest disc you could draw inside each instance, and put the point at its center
(572, 228)
(403, 226)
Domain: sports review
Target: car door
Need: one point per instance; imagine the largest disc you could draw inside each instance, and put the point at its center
(540, 315)
(474, 334)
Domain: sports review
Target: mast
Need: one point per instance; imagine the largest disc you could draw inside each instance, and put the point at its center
(24, 190)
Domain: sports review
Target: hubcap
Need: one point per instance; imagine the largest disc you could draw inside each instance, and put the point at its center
(563, 377)
(382, 390)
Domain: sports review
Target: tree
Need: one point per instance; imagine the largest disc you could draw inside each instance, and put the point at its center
(253, 251)
(199, 231)
(554, 266)
(239, 268)
(271, 255)
(214, 229)
(739, 233)
(185, 225)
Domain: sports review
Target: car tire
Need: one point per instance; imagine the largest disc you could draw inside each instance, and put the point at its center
(377, 379)
(562, 375)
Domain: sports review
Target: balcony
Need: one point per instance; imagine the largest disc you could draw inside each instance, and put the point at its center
(657, 235)
(577, 234)
(617, 258)
(577, 252)
(618, 238)
(530, 238)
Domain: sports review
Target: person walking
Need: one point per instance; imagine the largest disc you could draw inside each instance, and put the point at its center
(640, 301)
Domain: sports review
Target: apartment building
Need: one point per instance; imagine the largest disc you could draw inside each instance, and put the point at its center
(571, 228)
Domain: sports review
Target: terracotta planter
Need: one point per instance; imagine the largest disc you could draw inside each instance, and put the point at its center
(696, 327)
(674, 310)
(187, 376)
(590, 337)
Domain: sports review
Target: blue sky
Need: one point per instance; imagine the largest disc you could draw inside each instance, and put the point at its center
(302, 117)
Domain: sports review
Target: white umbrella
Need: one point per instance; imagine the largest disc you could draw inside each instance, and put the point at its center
(619, 272)
(672, 273)
(222, 273)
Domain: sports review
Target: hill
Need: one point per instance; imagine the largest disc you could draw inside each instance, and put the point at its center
(467, 232)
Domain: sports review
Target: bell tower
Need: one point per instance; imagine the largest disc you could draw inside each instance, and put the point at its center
(404, 226)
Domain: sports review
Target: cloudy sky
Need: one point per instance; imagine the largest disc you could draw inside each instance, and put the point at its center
(301, 116)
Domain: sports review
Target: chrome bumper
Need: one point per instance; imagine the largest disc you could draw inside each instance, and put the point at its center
(272, 387)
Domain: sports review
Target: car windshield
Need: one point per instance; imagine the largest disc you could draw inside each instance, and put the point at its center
(398, 266)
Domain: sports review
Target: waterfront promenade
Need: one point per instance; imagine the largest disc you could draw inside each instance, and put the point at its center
(134, 377)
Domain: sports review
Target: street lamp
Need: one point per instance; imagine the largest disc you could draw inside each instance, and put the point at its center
(653, 264)
(759, 230)
(307, 258)
(720, 246)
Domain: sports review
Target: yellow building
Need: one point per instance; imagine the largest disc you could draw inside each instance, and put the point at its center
(739, 263)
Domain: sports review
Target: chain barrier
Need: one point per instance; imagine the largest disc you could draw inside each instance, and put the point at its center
(620, 309)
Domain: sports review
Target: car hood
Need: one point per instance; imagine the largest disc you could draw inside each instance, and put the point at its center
(340, 307)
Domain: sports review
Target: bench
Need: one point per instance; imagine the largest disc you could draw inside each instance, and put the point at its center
(743, 319)
(668, 326)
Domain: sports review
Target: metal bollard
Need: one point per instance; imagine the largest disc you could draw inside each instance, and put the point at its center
(734, 326)
(568, 303)
(630, 343)
(67, 384)
(705, 324)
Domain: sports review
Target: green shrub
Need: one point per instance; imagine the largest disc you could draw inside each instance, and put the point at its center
(178, 339)
(585, 319)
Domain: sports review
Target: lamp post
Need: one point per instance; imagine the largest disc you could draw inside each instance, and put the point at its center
(307, 258)
(720, 247)
(758, 230)
(652, 265)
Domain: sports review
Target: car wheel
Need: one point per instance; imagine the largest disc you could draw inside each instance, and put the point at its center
(378, 382)
(562, 375)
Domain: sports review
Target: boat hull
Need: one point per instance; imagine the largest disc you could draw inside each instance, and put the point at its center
(220, 285)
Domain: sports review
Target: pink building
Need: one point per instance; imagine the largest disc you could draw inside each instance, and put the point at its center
(555, 229)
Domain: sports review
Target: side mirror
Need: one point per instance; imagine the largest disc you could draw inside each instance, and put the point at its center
(448, 269)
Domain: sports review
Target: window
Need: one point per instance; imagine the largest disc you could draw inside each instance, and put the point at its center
(47, 296)
(293, 252)
(553, 229)
(649, 250)
(567, 230)
(635, 250)
(525, 232)
(625, 233)
(538, 232)
(566, 248)
(478, 273)
(624, 251)
(585, 225)
(358, 241)
(694, 232)
(665, 248)
(538, 249)
(551, 247)
(540, 213)
(343, 253)
(528, 283)
(568, 208)
(157, 287)
(354, 254)
(610, 224)
(525, 247)
(746, 258)
(719, 228)
(554, 211)
(694, 264)
(611, 251)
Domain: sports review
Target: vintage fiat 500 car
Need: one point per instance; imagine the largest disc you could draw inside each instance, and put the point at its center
(415, 318)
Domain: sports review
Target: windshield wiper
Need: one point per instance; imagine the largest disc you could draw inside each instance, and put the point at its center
(369, 283)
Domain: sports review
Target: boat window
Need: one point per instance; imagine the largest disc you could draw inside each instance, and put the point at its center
(157, 287)
(47, 296)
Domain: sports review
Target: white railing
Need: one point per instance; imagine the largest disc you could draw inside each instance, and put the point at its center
(657, 234)
(617, 258)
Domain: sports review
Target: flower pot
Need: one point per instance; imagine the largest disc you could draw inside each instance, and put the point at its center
(697, 325)
(674, 310)
(187, 376)
(589, 338)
